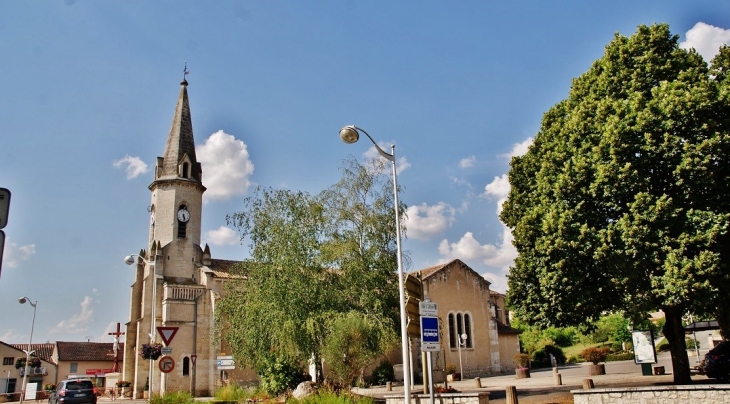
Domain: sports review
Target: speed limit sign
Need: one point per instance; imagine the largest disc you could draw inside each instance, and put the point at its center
(166, 364)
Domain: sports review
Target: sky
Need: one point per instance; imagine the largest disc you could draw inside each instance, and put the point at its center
(89, 89)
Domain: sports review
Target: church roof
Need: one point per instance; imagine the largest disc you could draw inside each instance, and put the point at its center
(224, 268)
(87, 351)
(180, 141)
(430, 271)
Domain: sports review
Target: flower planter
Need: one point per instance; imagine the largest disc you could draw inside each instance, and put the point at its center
(596, 370)
(522, 373)
(454, 377)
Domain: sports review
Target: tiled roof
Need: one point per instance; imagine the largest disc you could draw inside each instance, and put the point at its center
(430, 271)
(224, 268)
(43, 351)
(87, 351)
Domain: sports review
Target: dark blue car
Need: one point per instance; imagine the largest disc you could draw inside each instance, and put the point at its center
(717, 362)
(75, 391)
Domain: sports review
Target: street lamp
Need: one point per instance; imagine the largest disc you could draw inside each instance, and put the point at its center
(28, 351)
(349, 134)
(462, 341)
(131, 260)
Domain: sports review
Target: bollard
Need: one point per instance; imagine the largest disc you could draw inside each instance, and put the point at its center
(558, 379)
(555, 370)
(478, 382)
(588, 384)
(511, 395)
(389, 386)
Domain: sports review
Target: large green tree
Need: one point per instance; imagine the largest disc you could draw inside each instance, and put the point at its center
(314, 259)
(621, 203)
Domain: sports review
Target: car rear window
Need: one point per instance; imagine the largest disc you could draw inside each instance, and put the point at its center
(79, 385)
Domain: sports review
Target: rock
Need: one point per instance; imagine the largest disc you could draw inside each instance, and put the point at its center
(304, 389)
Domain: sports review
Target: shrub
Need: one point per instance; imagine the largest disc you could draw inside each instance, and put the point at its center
(277, 376)
(330, 397)
(522, 360)
(49, 387)
(574, 359)
(692, 344)
(174, 397)
(123, 383)
(232, 392)
(450, 369)
(595, 354)
(619, 357)
(663, 346)
(541, 357)
(383, 373)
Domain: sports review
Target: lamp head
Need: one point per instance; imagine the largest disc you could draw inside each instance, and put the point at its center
(349, 134)
(129, 260)
(463, 336)
(22, 300)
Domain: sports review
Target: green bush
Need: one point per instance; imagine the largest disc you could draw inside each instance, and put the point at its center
(330, 397)
(664, 346)
(234, 392)
(691, 343)
(574, 359)
(619, 357)
(174, 397)
(277, 376)
(541, 357)
(383, 373)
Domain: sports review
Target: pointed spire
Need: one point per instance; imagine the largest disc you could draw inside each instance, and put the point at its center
(180, 141)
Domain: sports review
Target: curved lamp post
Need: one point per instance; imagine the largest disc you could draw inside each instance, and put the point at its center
(135, 259)
(349, 134)
(28, 351)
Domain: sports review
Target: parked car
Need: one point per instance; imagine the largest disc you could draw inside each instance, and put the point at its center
(717, 362)
(76, 391)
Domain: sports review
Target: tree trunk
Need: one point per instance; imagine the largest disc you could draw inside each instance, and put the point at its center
(674, 333)
(723, 320)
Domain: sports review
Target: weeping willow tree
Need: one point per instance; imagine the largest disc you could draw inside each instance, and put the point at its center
(316, 261)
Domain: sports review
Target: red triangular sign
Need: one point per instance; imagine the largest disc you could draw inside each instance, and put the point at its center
(167, 333)
(193, 358)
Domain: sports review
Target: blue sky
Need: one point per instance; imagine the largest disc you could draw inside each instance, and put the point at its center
(89, 89)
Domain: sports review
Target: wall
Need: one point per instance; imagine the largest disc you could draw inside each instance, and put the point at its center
(649, 395)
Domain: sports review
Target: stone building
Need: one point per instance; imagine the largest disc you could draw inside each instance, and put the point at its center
(468, 308)
(11, 378)
(92, 360)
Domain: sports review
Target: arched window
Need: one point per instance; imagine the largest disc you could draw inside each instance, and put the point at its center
(186, 366)
(460, 324)
(452, 331)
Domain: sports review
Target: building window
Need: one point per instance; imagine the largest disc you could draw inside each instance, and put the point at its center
(186, 366)
(460, 323)
(452, 331)
(185, 170)
(8, 361)
(74, 367)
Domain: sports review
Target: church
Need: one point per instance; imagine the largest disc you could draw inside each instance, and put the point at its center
(176, 280)
(177, 284)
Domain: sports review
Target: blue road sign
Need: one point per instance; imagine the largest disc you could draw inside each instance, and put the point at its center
(430, 340)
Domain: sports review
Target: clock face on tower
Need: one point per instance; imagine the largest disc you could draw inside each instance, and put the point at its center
(183, 215)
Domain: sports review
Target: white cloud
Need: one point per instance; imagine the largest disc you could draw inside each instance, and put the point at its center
(10, 335)
(500, 256)
(14, 254)
(518, 149)
(222, 236)
(78, 322)
(706, 39)
(134, 166)
(425, 221)
(227, 165)
(467, 162)
(498, 188)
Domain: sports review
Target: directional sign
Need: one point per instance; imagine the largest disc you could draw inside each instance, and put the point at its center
(166, 350)
(225, 363)
(167, 333)
(4, 206)
(430, 341)
(166, 364)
